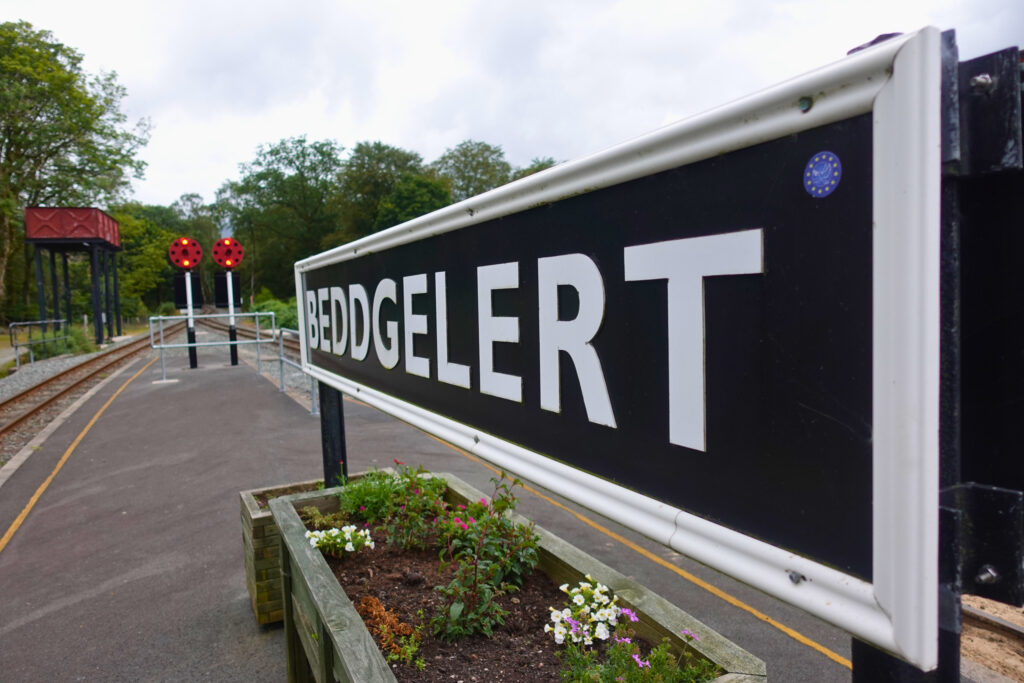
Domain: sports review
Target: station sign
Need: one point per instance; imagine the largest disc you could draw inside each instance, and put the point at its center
(723, 334)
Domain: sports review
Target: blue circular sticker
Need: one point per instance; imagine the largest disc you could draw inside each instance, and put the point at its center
(822, 174)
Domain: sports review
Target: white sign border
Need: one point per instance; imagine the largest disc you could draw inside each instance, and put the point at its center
(899, 82)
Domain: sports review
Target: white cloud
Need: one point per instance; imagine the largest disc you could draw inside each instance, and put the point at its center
(563, 79)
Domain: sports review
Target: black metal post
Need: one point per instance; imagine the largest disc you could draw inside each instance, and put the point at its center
(53, 288)
(40, 289)
(117, 295)
(332, 435)
(94, 267)
(67, 288)
(107, 295)
(233, 337)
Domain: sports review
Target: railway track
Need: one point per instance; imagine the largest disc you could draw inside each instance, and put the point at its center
(291, 343)
(21, 415)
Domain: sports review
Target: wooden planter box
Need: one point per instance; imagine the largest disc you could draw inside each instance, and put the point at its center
(260, 546)
(327, 641)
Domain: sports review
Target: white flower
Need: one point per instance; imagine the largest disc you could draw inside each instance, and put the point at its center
(578, 599)
(564, 588)
(601, 631)
(349, 548)
(556, 616)
(559, 634)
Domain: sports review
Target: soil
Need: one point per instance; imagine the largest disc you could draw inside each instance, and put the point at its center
(996, 651)
(394, 586)
(263, 498)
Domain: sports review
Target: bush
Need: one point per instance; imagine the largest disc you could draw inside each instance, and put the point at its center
(285, 314)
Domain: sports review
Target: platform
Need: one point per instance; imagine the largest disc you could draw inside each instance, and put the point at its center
(129, 565)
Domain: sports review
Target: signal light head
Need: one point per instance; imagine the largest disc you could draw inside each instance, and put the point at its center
(185, 253)
(228, 253)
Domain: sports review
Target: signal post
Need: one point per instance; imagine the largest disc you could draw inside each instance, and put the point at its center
(228, 253)
(186, 253)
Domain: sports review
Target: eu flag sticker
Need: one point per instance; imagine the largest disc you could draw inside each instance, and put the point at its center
(822, 174)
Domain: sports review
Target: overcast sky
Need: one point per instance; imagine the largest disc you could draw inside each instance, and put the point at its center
(540, 78)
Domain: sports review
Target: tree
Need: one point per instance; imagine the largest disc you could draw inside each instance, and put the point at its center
(63, 138)
(370, 174)
(473, 167)
(282, 209)
(413, 196)
(143, 268)
(536, 165)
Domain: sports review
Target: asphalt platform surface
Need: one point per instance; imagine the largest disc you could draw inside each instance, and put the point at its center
(128, 565)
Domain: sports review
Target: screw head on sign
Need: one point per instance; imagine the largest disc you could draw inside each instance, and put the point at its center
(228, 253)
(185, 252)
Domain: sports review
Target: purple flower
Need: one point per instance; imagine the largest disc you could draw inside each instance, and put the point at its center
(690, 634)
(629, 613)
(416, 492)
(622, 640)
(641, 663)
(362, 507)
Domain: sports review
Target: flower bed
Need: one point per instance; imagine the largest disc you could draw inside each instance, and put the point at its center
(260, 547)
(327, 640)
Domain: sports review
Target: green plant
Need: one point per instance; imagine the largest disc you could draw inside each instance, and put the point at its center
(492, 553)
(312, 517)
(368, 498)
(339, 542)
(590, 614)
(416, 504)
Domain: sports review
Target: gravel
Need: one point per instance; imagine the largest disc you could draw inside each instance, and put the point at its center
(297, 384)
(31, 374)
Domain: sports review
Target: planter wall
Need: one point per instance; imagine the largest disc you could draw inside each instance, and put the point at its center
(327, 640)
(260, 546)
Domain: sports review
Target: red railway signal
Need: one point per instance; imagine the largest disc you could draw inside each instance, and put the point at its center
(228, 253)
(185, 252)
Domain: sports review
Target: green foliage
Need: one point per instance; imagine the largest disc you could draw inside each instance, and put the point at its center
(413, 196)
(588, 616)
(282, 208)
(370, 175)
(473, 167)
(286, 314)
(493, 555)
(167, 308)
(313, 518)
(536, 165)
(63, 140)
(416, 503)
(369, 497)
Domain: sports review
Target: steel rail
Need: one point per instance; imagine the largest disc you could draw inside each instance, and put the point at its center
(101, 362)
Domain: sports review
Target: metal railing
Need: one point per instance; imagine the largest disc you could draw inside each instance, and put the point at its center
(287, 361)
(16, 343)
(157, 341)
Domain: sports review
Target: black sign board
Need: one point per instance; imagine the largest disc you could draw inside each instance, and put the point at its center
(714, 334)
(220, 289)
(179, 290)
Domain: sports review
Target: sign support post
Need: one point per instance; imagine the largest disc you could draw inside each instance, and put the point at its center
(186, 253)
(332, 434)
(228, 253)
(193, 361)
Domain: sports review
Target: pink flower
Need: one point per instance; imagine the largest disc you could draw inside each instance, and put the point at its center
(362, 507)
(689, 634)
(471, 520)
(641, 663)
(416, 492)
(622, 640)
(461, 506)
(483, 501)
(629, 613)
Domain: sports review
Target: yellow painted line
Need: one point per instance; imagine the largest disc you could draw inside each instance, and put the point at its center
(20, 519)
(714, 590)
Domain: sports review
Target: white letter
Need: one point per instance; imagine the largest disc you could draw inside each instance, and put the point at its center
(325, 320)
(357, 295)
(339, 311)
(572, 336)
(387, 355)
(311, 323)
(496, 329)
(450, 373)
(685, 263)
(414, 324)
